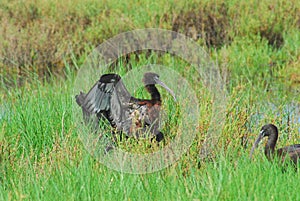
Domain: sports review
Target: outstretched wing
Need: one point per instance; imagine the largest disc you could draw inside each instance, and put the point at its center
(98, 98)
(119, 105)
(105, 98)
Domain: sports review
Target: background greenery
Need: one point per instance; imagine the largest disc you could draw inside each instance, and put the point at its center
(42, 45)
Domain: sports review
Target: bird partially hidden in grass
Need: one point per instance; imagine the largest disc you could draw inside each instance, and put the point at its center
(109, 99)
(291, 152)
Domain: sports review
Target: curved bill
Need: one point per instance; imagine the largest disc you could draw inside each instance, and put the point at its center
(166, 87)
(259, 138)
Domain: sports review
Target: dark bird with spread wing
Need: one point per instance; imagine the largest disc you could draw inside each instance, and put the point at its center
(110, 99)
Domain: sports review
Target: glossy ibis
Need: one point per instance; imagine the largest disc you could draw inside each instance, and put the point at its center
(292, 152)
(110, 99)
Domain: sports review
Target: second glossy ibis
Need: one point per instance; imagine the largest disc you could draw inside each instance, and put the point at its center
(292, 152)
(110, 99)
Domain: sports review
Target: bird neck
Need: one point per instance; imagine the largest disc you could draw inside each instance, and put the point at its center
(270, 146)
(155, 95)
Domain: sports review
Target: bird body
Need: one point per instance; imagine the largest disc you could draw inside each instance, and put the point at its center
(110, 99)
(292, 152)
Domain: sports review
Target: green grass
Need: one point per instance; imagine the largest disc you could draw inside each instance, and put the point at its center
(41, 154)
(43, 158)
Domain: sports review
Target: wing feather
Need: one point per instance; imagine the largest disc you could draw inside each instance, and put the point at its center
(108, 97)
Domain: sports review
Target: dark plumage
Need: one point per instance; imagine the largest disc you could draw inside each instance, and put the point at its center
(109, 99)
(292, 152)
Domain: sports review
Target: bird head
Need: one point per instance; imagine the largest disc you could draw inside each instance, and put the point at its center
(151, 78)
(265, 131)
